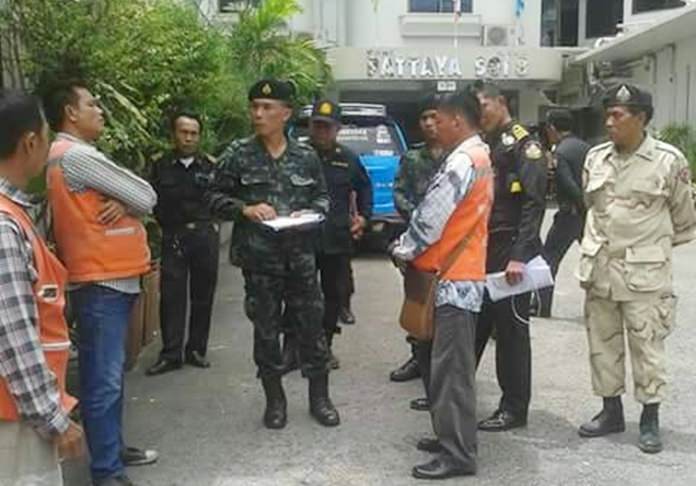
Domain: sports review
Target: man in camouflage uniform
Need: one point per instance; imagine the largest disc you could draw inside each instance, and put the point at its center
(637, 192)
(260, 178)
(417, 168)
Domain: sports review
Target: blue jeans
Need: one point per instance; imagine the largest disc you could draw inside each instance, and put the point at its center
(102, 316)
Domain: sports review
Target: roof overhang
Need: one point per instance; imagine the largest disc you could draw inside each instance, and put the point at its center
(675, 28)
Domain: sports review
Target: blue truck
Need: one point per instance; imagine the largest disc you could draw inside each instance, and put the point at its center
(379, 142)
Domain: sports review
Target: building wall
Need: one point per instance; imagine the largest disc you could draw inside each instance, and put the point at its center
(392, 25)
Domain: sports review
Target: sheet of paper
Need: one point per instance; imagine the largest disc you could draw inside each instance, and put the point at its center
(286, 222)
(537, 275)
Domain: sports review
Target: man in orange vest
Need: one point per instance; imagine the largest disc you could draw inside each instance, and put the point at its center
(35, 430)
(448, 232)
(95, 205)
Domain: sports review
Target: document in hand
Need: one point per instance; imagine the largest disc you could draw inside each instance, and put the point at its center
(537, 275)
(302, 221)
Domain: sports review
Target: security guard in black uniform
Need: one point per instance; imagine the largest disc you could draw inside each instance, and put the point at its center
(344, 174)
(519, 165)
(190, 246)
(569, 221)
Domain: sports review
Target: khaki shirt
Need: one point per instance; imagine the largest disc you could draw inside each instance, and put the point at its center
(639, 206)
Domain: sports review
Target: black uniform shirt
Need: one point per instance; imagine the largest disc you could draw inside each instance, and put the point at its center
(520, 197)
(570, 157)
(344, 174)
(180, 190)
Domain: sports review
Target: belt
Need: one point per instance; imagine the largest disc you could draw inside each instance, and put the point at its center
(195, 225)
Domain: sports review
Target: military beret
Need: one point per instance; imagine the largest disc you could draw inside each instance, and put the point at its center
(272, 89)
(627, 95)
(428, 102)
(326, 110)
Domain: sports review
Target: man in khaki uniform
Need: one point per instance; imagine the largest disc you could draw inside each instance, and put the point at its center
(637, 191)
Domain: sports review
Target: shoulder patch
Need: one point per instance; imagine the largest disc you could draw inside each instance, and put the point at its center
(684, 175)
(507, 139)
(533, 150)
(519, 132)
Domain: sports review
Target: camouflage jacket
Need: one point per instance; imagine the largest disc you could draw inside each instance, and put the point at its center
(416, 170)
(248, 175)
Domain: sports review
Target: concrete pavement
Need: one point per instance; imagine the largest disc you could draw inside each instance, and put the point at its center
(206, 424)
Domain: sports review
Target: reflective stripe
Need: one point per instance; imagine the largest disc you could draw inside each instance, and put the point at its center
(56, 346)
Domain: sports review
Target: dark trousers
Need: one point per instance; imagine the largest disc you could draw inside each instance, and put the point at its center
(422, 351)
(189, 271)
(334, 271)
(567, 227)
(513, 355)
(452, 383)
(268, 298)
(345, 303)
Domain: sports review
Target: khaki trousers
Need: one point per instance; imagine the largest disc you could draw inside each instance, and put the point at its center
(647, 323)
(27, 459)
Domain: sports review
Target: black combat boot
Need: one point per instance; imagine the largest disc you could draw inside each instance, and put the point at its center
(650, 441)
(276, 414)
(320, 406)
(609, 421)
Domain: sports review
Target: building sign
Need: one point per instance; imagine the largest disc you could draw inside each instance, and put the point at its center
(499, 65)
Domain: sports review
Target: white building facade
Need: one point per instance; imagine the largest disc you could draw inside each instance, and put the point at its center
(396, 51)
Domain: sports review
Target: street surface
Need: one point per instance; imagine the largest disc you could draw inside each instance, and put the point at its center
(206, 424)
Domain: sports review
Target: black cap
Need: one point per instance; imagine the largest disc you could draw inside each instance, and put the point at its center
(326, 110)
(272, 89)
(627, 95)
(428, 102)
(560, 118)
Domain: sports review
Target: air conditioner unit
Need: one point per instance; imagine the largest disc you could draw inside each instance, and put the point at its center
(498, 35)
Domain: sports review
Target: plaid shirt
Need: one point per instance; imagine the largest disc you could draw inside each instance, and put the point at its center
(22, 364)
(450, 185)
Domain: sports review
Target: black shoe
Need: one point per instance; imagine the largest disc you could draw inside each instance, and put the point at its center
(346, 316)
(162, 366)
(426, 444)
(420, 404)
(650, 441)
(320, 406)
(442, 467)
(609, 421)
(501, 420)
(132, 456)
(115, 481)
(194, 358)
(407, 371)
(276, 414)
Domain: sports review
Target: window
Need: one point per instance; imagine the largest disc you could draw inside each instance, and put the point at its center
(438, 6)
(640, 6)
(603, 17)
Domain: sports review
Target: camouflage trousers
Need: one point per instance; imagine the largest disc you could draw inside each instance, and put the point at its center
(267, 297)
(647, 323)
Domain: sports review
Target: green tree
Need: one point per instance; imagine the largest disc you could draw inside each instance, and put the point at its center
(682, 136)
(262, 46)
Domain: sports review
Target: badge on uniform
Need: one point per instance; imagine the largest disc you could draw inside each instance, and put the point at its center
(623, 95)
(533, 151)
(519, 132)
(507, 139)
(266, 89)
(515, 187)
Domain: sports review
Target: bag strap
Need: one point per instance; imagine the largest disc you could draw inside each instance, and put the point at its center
(452, 258)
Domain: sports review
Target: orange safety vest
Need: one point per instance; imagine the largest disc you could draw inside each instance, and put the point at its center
(91, 251)
(469, 220)
(49, 293)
